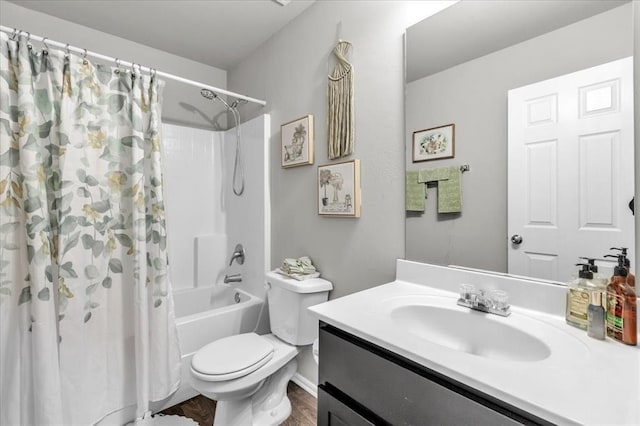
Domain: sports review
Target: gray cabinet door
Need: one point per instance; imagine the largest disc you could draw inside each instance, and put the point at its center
(400, 392)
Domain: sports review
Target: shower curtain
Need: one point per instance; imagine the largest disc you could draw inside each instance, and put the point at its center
(86, 314)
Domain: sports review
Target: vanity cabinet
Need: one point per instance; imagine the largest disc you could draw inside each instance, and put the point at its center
(363, 384)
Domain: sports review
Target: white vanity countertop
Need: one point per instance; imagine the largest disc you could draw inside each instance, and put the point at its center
(597, 384)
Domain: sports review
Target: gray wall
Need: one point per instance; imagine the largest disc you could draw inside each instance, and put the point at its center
(182, 104)
(290, 72)
(473, 95)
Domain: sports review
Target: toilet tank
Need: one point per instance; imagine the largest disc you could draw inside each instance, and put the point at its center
(288, 302)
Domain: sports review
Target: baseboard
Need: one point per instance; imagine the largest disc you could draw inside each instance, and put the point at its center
(306, 384)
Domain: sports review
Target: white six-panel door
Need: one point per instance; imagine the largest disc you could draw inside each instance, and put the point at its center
(570, 170)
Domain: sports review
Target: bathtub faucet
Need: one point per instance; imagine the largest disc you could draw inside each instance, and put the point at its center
(237, 255)
(233, 278)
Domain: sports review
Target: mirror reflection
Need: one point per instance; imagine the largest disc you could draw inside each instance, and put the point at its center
(540, 98)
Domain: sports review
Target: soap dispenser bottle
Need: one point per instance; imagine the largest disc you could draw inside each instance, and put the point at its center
(579, 296)
(631, 279)
(599, 279)
(621, 306)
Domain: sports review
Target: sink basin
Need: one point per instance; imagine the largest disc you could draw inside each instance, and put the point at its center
(469, 331)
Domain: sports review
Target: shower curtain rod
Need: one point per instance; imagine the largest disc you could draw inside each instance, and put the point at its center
(119, 62)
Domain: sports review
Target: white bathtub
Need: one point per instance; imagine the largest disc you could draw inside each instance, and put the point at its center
(206, 314)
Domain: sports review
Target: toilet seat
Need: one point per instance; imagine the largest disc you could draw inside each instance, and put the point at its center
(232, 357)
(230, 389)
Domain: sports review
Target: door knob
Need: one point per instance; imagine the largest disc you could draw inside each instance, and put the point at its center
(516, 239)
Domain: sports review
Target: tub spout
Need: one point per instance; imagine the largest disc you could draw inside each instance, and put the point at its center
(233, 278)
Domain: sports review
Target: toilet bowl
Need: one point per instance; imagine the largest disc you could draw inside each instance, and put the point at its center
(247, 374)
(260, 393)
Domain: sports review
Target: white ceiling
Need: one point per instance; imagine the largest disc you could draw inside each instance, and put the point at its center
(219, 33)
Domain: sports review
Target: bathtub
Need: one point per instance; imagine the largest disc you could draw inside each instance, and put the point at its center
(206, 314)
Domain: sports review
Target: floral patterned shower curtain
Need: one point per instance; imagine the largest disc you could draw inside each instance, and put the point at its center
(86, 314)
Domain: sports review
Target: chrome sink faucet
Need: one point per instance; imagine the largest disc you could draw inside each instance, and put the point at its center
(493, 301)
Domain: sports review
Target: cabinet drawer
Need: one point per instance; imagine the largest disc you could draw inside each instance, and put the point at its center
(333, 412)
(400, 391)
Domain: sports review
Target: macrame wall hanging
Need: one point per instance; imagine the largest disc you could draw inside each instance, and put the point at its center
(340, 97)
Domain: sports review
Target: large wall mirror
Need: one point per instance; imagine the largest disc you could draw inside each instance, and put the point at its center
(498, 71)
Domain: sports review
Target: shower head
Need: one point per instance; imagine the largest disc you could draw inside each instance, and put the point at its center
(208, 94)
(211, 95)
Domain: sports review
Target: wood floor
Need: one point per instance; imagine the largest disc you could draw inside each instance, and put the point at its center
(201, 409)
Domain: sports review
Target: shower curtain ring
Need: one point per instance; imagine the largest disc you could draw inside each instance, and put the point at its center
(29, 45)
(133, 70)
(68, 50)
(45, 51)
(84, 57)
(117, 70)
(14, 34)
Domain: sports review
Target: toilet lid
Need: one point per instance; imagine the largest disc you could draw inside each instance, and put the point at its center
(232, 357)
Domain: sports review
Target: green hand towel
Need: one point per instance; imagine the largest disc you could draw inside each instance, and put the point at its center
(414, 192)
(430, 175)
(450, 192)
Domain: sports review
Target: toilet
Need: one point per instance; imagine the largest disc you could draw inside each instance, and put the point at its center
(247, 374)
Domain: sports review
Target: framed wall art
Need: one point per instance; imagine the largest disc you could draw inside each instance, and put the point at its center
(297, 142)
(434, 144)
(339, 189)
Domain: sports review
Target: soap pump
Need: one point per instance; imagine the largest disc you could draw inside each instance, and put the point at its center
(579, 296)
(621, 305)
(631, 279)
(598, 278)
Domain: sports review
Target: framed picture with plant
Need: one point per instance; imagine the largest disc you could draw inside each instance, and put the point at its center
(296, 138)
(339, 189)
(434, 144)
